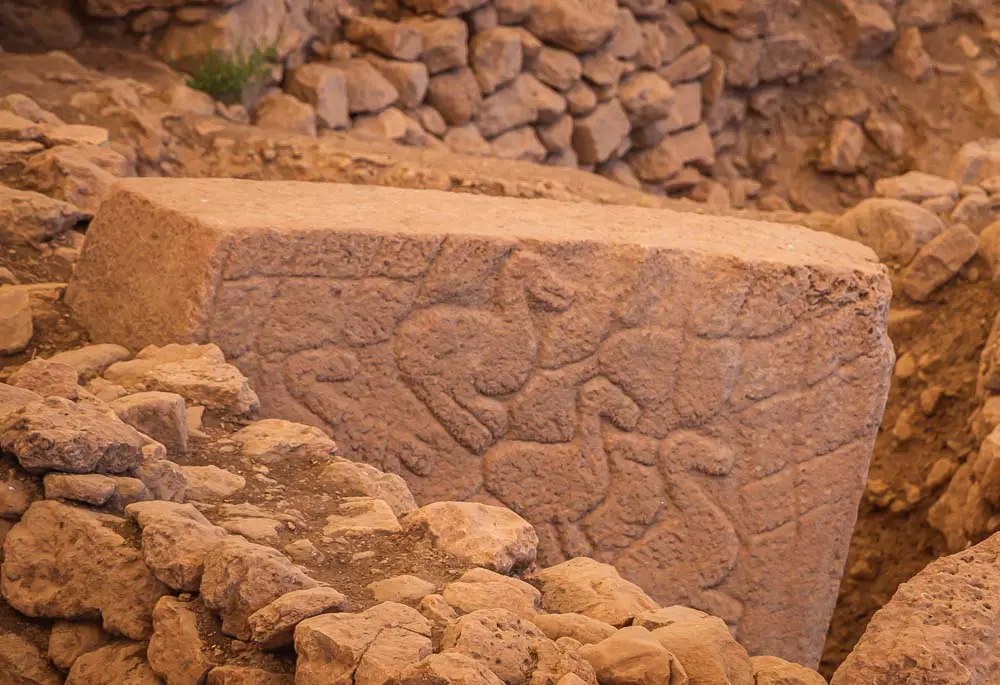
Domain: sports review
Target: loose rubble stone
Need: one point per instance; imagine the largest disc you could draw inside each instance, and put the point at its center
(240, 578)
(89, 488)
(938, 261)
(22, 662)
(263, 530)
(707, 651)
(910, 57)
(371, 647)
(16, 323)
(487, 536)
(588, 587)
(160, 415)
(164, 478)
(870, 28)
(448, 668)
(405, 589)
(633, 654)
(916, 186)
(646, 97)
(479, 588)
(198, 373)
(52, 558)
(176, 651)
(356, 479)
(975, 162)
(176, 538)
(660, 618)
(92, 360)
(284, 112)
(119, 662)
(17, 492)
(80, 176)
(69, 640)
(274, 625)
(47, 378)
(583, 629)
(360, 516)
(210, 483)
(895, 229)
(772, 670)
(843, 153)
(515, 650)
(31, 218)
(55, 434)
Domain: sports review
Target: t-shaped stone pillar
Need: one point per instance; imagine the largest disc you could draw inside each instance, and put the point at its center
(693, 399)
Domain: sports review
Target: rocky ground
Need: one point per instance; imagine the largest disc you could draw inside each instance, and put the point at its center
(831, 146)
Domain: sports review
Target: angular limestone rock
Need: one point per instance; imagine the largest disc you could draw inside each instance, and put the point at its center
(240, 578)
(176, 651)
(63, 562)
(90, 488)
(92, 360)
(56, 434)
(381, 641)
(588, 587)
(276, 441)
(160, 415)
(693, 396)
(479, 588)
(22, 662)
(274, 624)
(119, 662)
(355, 479)
(487, 536)
(70, 640)
(198, 373)
(176, 538)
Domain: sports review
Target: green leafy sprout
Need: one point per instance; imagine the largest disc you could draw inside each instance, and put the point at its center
(226, 76)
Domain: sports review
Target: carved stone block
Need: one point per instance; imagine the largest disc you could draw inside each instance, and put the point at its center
(693, 399)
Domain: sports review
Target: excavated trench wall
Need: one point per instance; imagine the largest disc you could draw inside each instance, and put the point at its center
(693, 399)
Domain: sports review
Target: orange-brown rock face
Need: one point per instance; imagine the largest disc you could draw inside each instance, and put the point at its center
(691, 399)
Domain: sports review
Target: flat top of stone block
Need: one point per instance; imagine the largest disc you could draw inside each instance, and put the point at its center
(236, 206)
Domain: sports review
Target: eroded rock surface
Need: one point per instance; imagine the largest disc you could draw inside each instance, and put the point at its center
(692, 350)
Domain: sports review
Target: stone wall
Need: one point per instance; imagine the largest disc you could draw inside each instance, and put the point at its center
(644, 92)
(692, 399)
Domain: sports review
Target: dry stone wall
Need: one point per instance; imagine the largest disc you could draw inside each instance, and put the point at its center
(635, 90)
(692, 399)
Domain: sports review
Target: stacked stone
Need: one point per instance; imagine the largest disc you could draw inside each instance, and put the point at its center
(633, 90)
(155, 572)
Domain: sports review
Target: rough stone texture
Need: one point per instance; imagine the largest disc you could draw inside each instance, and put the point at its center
(69, 640)
(55, 434)
(63, 562)
(160, 415)
(240, 578)
(937, 628)
(736, 370)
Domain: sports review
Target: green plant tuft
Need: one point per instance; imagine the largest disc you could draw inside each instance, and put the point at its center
(225, 77)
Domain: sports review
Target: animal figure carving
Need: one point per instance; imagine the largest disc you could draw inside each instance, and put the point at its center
(693, 545)
(559, 483)
(459, 360)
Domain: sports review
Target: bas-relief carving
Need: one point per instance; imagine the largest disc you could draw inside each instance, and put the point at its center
(624, 402)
